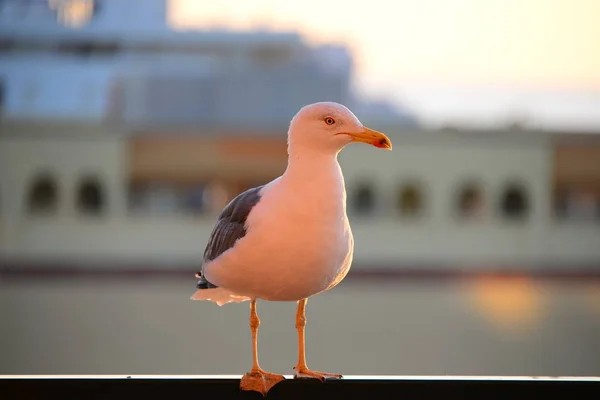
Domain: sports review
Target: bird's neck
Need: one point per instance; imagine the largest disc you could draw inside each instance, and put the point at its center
(310, 164)
(316, 179)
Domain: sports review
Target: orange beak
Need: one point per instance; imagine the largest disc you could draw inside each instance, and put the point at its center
(373, 138)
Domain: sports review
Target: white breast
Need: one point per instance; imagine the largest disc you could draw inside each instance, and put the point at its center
(298, 244)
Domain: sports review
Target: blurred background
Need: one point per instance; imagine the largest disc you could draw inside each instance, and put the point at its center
(126, 125)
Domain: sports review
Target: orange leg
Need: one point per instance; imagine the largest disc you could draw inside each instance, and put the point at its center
(301, 369)
(257, 379)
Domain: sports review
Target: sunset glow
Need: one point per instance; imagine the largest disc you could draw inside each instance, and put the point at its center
(534, 43)
(511, 303)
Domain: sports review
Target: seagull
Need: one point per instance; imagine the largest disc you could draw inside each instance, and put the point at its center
(289, 239)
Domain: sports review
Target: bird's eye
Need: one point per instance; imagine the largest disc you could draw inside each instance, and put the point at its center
(329, 121)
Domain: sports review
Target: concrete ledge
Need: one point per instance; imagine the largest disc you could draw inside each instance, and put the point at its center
(26, 270)
(351, 387)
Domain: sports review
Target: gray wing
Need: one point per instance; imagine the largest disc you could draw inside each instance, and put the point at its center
(230, 227)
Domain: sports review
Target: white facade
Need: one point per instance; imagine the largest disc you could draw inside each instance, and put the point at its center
(388, 233)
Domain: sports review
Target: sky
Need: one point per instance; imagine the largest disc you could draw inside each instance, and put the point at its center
(484, 60)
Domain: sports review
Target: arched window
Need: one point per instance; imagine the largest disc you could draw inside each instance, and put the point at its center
(469, 202)
(90, 196)
(410, 201)
(514, 202)
(363, 199)
(42, 196)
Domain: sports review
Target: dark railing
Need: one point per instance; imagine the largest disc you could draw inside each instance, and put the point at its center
(351, 387)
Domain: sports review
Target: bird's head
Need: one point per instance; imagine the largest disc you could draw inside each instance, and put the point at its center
(330, 126)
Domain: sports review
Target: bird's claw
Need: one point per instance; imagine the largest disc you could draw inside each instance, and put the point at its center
(305, 373)
(260, 381)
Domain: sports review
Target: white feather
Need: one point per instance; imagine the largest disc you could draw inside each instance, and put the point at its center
(298, 239)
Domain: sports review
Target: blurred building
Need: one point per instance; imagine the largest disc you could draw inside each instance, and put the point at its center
(120, 62)
(121, 138)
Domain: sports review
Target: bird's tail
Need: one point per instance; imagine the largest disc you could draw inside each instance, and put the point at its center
(218, 295)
